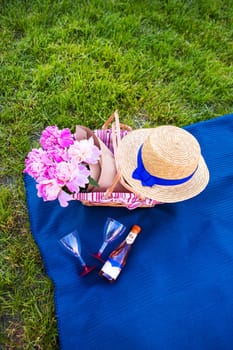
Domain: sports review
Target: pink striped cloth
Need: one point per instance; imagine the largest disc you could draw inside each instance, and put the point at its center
(126, 199)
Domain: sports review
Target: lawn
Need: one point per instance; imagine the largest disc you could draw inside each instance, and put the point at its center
(70, 62)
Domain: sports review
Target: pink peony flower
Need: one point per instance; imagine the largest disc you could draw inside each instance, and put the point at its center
(64, 198)
(66, 138)
(52, 137)
(58, 154)
(80, 179)
(48, 189)
(64, 172)
(72, 176)
(36, 163)
(49, 137)
(84, 151)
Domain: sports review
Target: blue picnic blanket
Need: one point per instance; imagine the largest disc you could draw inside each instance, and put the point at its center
(176, 291)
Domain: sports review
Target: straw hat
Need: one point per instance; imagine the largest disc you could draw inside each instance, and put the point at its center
(163, 163)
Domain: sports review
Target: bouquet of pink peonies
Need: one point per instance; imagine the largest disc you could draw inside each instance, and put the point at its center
(83, 166)
(61, 165)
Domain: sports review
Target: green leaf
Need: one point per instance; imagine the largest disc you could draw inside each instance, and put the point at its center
(93, 182)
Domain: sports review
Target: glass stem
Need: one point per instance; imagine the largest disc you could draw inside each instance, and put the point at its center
(82, 261)
(104, 245)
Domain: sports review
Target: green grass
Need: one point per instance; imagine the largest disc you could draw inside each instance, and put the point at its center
(75, 62)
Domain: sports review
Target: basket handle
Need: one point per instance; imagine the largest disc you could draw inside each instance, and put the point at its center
(112, 119)
(116, 139)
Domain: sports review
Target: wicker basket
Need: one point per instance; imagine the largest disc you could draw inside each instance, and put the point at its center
(111, 134)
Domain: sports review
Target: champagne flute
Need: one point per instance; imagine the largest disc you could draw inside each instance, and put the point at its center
(112, 230)
(71, 243)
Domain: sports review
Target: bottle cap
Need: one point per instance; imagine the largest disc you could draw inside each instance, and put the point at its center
(136, 229)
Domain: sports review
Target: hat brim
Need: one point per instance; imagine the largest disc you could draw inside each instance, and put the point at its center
(126, 157)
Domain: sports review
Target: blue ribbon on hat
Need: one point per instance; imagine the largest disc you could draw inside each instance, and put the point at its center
(140, 173)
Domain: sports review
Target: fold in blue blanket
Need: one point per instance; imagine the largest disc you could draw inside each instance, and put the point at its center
(176, 291)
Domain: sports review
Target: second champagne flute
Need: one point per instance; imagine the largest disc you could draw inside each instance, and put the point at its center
(112, 230)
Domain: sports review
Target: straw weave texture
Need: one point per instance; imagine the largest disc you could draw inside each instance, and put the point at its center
(167, 156)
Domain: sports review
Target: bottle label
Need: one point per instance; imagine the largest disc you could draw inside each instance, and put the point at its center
(112, 268)
(131, 238)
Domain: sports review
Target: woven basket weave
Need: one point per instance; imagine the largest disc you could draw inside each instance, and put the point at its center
(111, 134)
